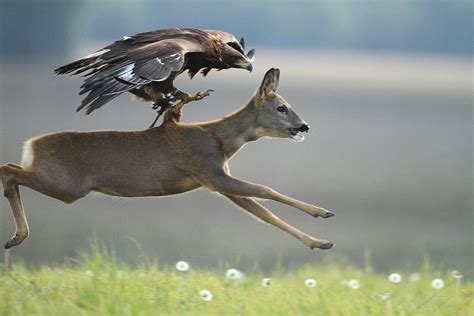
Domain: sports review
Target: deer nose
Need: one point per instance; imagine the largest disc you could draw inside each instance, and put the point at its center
(304, 128)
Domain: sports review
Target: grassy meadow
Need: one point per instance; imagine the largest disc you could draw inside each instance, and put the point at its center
(99, 284)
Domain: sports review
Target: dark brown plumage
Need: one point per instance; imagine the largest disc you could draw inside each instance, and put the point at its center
(146, 64)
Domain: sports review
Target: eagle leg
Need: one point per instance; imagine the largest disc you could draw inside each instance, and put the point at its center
(178, 95)
(161, 110)
(161, 106)
(175, 112)
(166, 102)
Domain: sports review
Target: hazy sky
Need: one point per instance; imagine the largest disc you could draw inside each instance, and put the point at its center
(51, 28)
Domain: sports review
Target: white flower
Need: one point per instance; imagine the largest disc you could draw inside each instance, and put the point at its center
(353, 284)
(386, 296)
(141, 274)
(182, 266)
(234, 274)
(395, 278)
(89, 273)
(310, 282)
(437, 284)
(205, 295)
(414, 277)
(456, 274)
(266, 282)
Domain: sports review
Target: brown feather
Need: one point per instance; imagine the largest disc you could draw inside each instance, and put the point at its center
(143, 61)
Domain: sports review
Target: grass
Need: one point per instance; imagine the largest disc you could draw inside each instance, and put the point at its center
(98, 284)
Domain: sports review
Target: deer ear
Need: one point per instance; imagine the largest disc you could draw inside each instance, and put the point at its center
(270, 82)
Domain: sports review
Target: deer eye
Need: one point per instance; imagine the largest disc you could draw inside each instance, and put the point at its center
(282, 109)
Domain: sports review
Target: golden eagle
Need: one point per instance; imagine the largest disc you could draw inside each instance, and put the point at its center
(146, 64)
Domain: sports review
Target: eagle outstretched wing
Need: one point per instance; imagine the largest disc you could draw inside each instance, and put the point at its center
(130, 63)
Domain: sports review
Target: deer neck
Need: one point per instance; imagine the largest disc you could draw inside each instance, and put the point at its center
(236, 129)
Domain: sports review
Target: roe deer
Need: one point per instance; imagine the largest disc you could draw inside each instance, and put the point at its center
(170, 159)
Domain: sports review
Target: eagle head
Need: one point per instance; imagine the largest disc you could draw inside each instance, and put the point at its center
(233, 58)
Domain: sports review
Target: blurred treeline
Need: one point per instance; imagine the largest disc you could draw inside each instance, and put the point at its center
(430, 26)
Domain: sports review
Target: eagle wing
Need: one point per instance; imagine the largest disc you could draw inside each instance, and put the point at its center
(132, 62)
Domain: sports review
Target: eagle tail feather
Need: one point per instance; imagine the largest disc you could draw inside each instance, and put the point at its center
(78, 66)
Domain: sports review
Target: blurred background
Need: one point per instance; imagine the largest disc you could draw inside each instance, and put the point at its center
(385, 85)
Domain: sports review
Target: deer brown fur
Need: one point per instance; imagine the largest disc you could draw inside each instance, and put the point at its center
(166, 160)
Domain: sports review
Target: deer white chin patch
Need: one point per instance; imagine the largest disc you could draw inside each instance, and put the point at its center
(298, 137)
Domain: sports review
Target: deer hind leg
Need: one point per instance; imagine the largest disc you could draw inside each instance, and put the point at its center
(12, 176)
(266, 215)
(12, 193)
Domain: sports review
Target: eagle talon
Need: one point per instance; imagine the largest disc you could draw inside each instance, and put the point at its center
(181, 98)
(178, 95)
(203, 94)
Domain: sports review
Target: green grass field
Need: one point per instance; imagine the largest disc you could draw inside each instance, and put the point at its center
(98, 284)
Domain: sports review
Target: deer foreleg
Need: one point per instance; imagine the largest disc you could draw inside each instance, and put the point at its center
(266, 215)
(226, 184)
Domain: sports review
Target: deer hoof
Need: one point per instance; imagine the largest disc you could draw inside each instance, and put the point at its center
(326, 245)
(328, 214)
(14, 241)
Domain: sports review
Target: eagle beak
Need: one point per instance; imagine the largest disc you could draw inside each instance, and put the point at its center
(249, 67)
(244, 63)
(250, 58)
